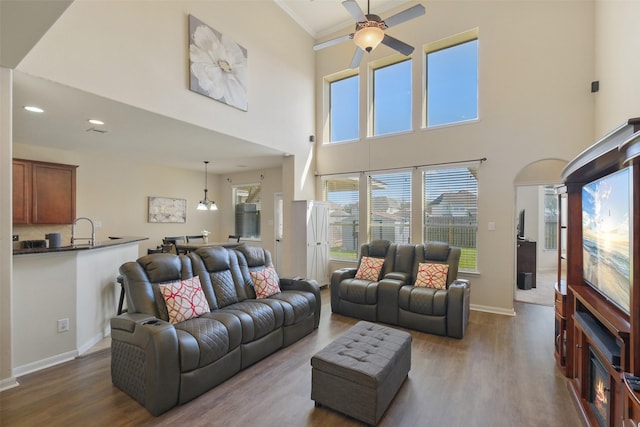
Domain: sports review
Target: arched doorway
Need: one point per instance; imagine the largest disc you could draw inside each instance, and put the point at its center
(536, 206)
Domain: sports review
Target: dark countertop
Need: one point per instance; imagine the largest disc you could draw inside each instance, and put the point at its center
(105, 244)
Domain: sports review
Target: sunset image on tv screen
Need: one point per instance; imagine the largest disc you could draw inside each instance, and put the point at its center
(605, 241)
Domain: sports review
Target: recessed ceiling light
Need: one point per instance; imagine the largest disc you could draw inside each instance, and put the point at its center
(96, 122)
(33, 109)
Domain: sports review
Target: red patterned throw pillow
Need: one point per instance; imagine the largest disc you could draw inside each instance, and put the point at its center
(184, 299)
(265, 282)
(370, 268)
(432, 275)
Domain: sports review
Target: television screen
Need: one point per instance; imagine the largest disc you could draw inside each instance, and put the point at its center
(521, 225)
(606, 236)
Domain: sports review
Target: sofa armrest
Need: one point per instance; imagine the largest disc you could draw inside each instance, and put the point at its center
(396, 275)
(388, 291)
(306, 286)
(145, 360)
(337, 277)
(459, 295)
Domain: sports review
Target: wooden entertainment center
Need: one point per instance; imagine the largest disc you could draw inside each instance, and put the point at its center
(597, 343)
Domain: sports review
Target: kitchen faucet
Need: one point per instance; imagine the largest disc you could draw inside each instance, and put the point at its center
(92, 239)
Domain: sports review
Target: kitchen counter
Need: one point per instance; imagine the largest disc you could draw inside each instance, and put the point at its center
(81, 247)
(74, 286)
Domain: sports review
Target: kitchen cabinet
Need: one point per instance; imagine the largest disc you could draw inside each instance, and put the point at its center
(43, 193)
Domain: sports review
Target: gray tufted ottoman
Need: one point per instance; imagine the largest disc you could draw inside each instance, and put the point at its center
(360, 372)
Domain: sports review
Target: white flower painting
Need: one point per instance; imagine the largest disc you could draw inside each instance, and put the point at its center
(218, 65)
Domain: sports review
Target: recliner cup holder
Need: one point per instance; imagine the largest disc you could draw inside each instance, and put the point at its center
(151, 322)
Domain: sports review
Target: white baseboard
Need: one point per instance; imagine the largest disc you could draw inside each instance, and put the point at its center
(494, 310)
(89, 344)
(44, 363)
(8, 383)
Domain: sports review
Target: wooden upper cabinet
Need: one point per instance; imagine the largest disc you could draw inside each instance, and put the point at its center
(21, 191)
(43, 193)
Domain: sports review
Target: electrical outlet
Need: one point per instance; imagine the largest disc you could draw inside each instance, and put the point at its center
(492, 226)
(63, 325)
(97, 223)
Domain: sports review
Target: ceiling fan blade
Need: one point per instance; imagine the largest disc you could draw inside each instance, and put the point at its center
(396, 44)
(354, 10)
(357, 57)
(405, 15)
(333, 41)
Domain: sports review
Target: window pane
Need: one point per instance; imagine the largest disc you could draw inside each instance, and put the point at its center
(390, 207)
(392, 98)
(452, 84)
(246, 200)
(451, 210)
(550, 218)
(344, 210)
(343, 113)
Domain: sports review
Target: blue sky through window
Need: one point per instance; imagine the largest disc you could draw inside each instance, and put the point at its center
(452, 84)
(344, 98)
(392, 98)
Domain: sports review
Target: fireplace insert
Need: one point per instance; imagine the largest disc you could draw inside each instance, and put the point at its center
(599, 389)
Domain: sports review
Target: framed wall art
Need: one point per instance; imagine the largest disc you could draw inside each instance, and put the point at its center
(166, 209)
(217, 65)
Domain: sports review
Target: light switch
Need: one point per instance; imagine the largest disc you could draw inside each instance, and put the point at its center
(492, 226)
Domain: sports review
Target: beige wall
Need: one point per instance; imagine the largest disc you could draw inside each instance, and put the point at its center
(617, 63)
(535, 68)
(6, 357)
(136, 52)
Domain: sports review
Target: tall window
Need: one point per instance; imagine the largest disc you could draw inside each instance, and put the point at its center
(246, 201)
(343, 109)
(392, 98)
(390, 207)
(344, 210)
(550, 218)
(450, 208)
(452, 79)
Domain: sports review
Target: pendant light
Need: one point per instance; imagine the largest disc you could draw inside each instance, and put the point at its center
(206, 204)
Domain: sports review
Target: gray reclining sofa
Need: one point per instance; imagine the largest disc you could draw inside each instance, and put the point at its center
(392, 298)
(162, 365)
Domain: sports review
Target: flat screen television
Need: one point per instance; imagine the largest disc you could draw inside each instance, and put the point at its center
(521, 225)
(606, 236)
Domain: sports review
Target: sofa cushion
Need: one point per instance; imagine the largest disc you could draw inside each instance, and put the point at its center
(265, 282)
(432, 275)
(428, 301)
(359, 291)
(370, 268)
(201, 342)
(258, 318)
(184, 299)
(437, 251)
(297, 305)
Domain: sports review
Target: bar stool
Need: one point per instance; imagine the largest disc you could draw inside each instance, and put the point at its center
(120, 280)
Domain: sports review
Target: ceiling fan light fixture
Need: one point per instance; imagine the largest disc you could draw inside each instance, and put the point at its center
(368, 37)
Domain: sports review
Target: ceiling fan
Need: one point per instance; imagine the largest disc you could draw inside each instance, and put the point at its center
(370, 33)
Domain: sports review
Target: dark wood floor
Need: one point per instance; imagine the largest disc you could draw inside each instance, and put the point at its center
(501, 374)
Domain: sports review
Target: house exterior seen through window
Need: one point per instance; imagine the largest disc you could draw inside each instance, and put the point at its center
(452, 80)
(344, 211)
(246, 201)
(450, 209)
(390, 207)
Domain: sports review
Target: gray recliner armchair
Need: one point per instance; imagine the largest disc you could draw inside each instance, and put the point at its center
(359, 297)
